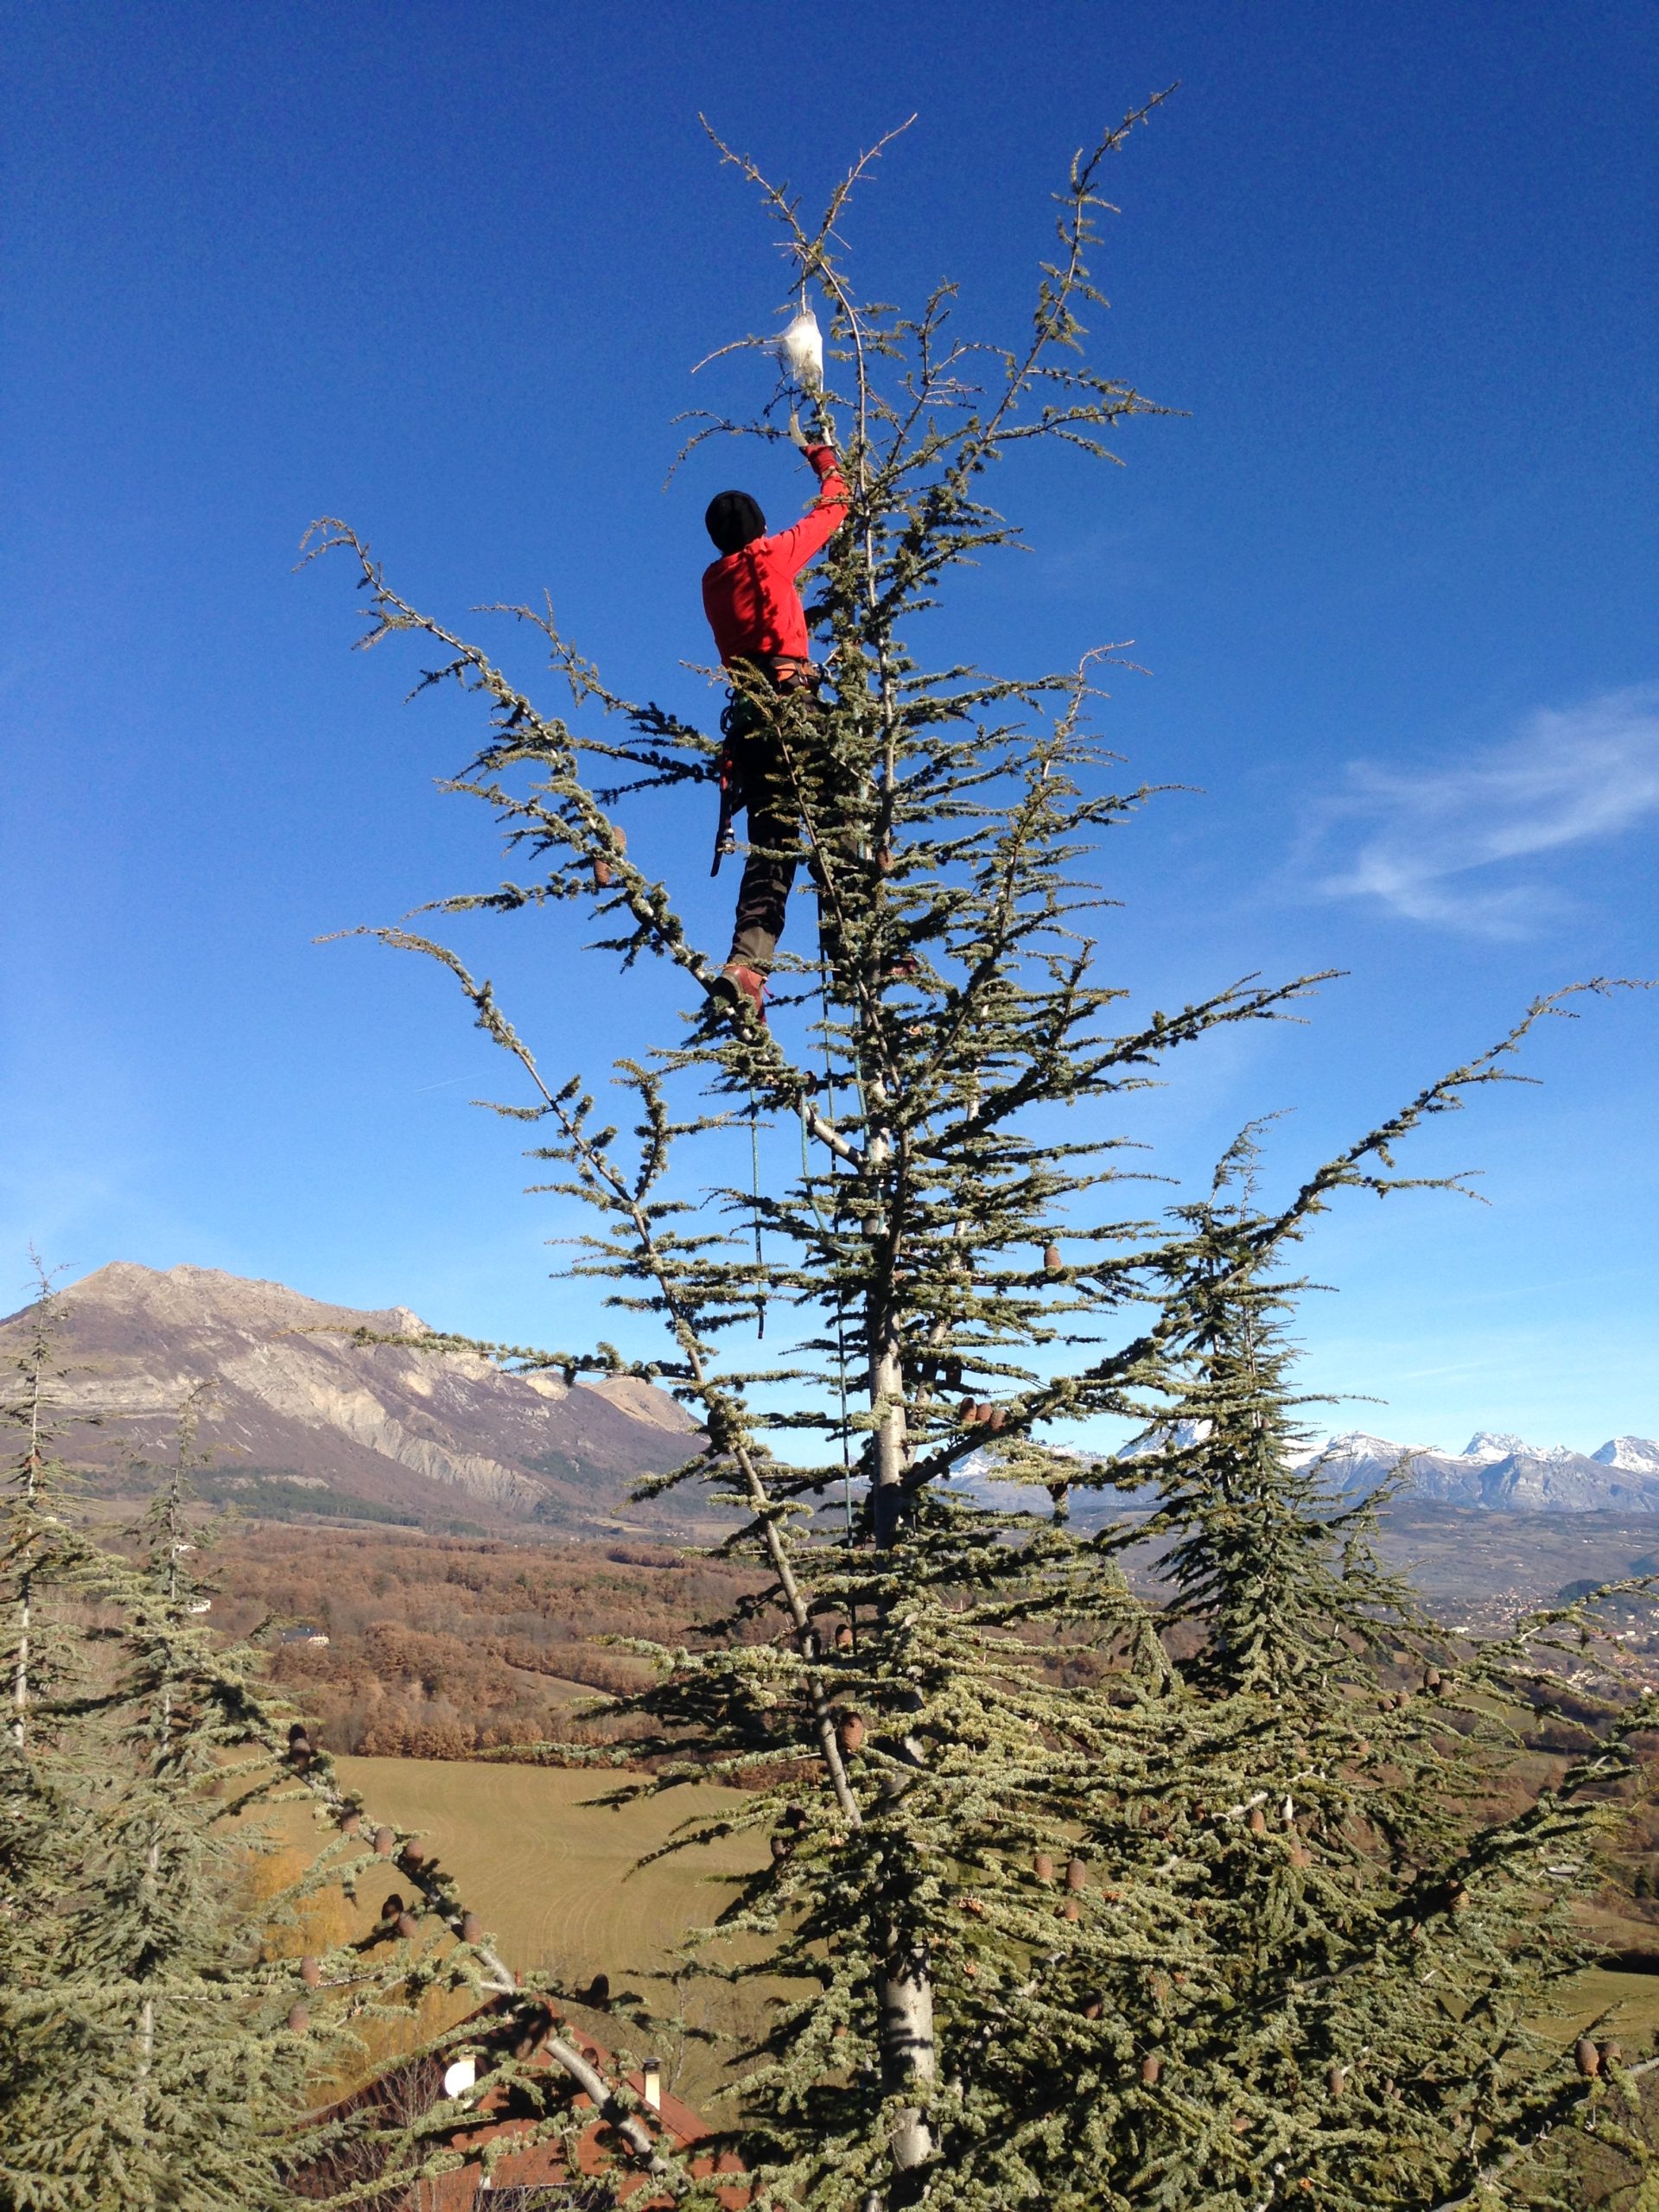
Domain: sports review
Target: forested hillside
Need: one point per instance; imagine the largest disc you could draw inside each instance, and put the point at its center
(439, 1648)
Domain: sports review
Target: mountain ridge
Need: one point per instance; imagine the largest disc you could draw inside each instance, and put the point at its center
(1499, 1472)
(1496, 1471)
(296, 1406)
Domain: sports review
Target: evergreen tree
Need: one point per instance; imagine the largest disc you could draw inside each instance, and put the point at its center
(1275, 1865)
(42, 1821)
(162, 2028)
(145, 2057)
(1318, 1972)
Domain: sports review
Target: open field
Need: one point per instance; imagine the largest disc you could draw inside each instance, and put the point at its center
(548, 1869)
(1635, 2021)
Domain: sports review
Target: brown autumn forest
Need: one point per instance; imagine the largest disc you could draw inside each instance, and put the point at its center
(441, 1648)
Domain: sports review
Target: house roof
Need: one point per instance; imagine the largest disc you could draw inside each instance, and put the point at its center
(482, 2136)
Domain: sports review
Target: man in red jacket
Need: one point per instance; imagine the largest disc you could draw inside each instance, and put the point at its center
(753, 606)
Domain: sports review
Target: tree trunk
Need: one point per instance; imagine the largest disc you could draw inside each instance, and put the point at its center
(905, 1992)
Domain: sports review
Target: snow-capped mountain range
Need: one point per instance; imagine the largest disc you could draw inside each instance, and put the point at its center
(1498, 1471)
(1503, 1472)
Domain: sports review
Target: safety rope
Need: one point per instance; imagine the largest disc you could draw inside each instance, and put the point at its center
(754, 1213)
(835, 1209)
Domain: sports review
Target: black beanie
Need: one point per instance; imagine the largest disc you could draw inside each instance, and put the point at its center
(734, 520)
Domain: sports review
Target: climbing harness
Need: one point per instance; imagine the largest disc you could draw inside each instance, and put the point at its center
(741, 718)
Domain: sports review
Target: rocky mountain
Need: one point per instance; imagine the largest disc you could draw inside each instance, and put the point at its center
(303, 1423)
(1503, 1473)
(1495, 1471)
(1638, 1455)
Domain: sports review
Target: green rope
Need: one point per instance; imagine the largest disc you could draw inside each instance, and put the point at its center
(841, 1337)
(754, 1186)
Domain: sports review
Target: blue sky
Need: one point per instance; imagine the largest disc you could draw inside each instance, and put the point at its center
(444, 271)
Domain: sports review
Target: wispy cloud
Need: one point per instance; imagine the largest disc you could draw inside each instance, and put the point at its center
(1450, 844)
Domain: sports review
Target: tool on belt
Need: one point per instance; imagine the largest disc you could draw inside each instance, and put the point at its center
(725, 837)
(742, 718)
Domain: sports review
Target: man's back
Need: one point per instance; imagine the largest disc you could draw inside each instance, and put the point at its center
(750, 596)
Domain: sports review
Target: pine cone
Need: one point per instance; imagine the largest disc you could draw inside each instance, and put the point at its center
(603, 875)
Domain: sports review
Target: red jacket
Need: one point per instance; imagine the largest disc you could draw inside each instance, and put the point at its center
(750, 597)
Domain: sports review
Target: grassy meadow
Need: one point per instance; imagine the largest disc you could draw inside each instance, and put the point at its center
(546, 1867)
(550, 1870)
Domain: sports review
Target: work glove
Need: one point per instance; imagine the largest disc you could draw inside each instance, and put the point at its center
(821, 457)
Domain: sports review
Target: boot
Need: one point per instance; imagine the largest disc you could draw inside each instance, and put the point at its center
(740, 986)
